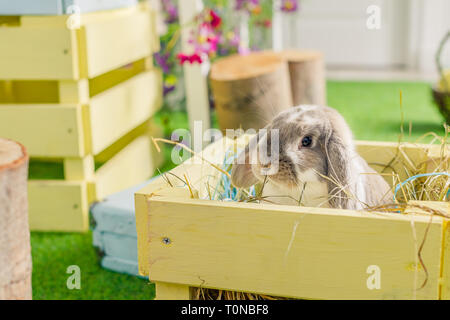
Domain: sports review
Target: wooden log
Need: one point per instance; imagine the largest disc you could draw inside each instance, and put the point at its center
(307, 75)
(250, 90)
(15, 250)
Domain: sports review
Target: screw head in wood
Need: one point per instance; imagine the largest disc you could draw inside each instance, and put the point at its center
(166, 240)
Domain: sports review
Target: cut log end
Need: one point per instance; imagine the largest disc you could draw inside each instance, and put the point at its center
(239, 67)
(301, 55)
(10, 152)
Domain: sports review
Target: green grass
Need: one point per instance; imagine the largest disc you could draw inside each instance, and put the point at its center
(53, 253)
(371, 109)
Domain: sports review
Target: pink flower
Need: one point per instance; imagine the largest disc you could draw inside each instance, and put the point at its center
(195, 58)
(205, 40)
(183, 58)
(216, 20)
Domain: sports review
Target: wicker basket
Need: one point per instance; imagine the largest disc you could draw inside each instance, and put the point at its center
(442, 100)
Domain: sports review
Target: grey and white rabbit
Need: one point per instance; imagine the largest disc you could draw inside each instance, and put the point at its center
(317, 166)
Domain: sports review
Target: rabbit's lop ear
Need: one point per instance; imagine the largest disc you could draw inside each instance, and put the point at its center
(338, 173)
(241, 174)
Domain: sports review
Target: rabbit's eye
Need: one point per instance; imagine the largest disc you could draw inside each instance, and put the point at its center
(306, 141)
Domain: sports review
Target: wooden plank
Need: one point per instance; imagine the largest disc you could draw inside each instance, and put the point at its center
(47, 130)
(77, 169)
(37, 53)
(73, 91)
(58, 206)
(424, 207)
(28, 92)
(404, 159)
(120, 109)
(112, 43)
(129, 167)
(170, 291)
(42, 47)
(147, 128)
(68, 91)
(289, 251)
(156, 45)
(438, 158)
(116, 76)
(444, 208)
(117, 146)
(445, 270)
(193, 168)
(140, 205)
(141, 209)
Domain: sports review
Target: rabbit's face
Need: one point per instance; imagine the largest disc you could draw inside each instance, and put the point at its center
(302, 133)
(315, 145)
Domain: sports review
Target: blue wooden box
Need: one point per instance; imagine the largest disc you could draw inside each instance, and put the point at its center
(114, 233)
(59, 7)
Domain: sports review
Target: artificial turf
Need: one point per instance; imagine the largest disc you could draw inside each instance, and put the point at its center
(373, 111)
(371, 108)
(53, 253)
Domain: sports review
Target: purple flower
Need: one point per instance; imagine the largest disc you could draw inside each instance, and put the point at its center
(162, 60)
(289, 5)
(223, 51)
(170, 10)
(167, 89)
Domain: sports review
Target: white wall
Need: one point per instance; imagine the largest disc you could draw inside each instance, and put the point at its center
(409, 35)
(429, 22)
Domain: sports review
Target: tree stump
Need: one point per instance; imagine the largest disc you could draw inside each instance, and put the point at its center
(307, 75)
(250, 90)
(15, 250)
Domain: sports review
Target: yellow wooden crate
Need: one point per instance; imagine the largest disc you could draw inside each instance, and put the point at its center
(63, 205)
(75, 47)
(86, 119)
(287, 251)
(77, 91)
